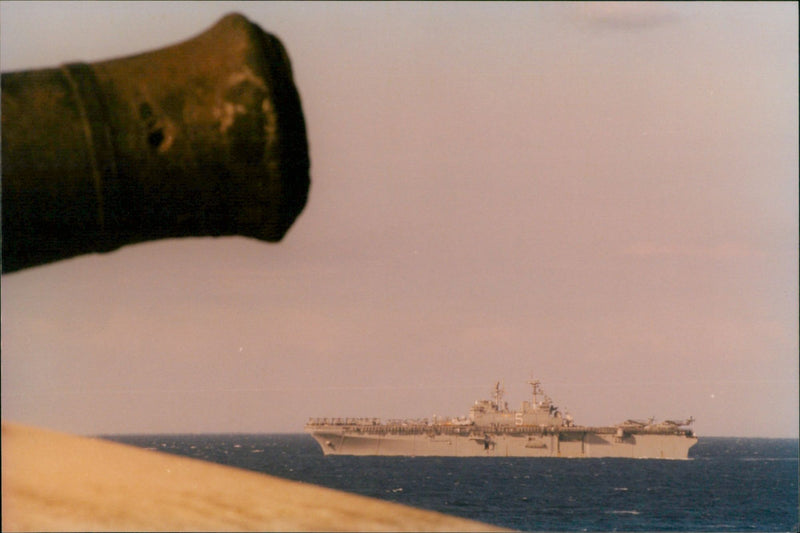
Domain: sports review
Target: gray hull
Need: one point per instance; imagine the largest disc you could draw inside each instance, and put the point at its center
(538, 429)
(575, 444)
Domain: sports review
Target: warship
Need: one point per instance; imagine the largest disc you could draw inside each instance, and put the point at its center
(538, 429)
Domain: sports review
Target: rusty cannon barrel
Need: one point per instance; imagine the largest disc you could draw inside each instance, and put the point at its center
(202, 138)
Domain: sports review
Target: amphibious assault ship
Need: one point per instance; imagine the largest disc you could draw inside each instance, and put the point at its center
(538, 429)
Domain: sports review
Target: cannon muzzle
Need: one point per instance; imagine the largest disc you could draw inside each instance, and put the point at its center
(202, 138)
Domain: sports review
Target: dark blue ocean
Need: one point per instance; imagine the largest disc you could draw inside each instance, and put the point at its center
(729, 484)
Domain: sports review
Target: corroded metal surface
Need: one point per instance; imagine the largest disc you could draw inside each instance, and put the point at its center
(205, 137)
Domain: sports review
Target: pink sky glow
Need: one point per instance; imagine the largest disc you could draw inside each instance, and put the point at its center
(603, 196)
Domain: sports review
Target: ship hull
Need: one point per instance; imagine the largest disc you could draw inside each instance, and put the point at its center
(575, 444)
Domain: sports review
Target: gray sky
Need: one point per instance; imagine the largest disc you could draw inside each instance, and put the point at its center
(603, 196)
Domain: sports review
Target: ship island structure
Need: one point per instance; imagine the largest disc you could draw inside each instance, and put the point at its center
(538, 429)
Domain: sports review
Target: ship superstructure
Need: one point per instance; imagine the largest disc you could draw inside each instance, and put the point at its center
(538, 429)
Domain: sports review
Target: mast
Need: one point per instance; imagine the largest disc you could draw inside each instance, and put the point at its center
(536, 384)
(498, 396)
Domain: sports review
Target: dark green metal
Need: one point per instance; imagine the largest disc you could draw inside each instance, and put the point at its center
(205, 137)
